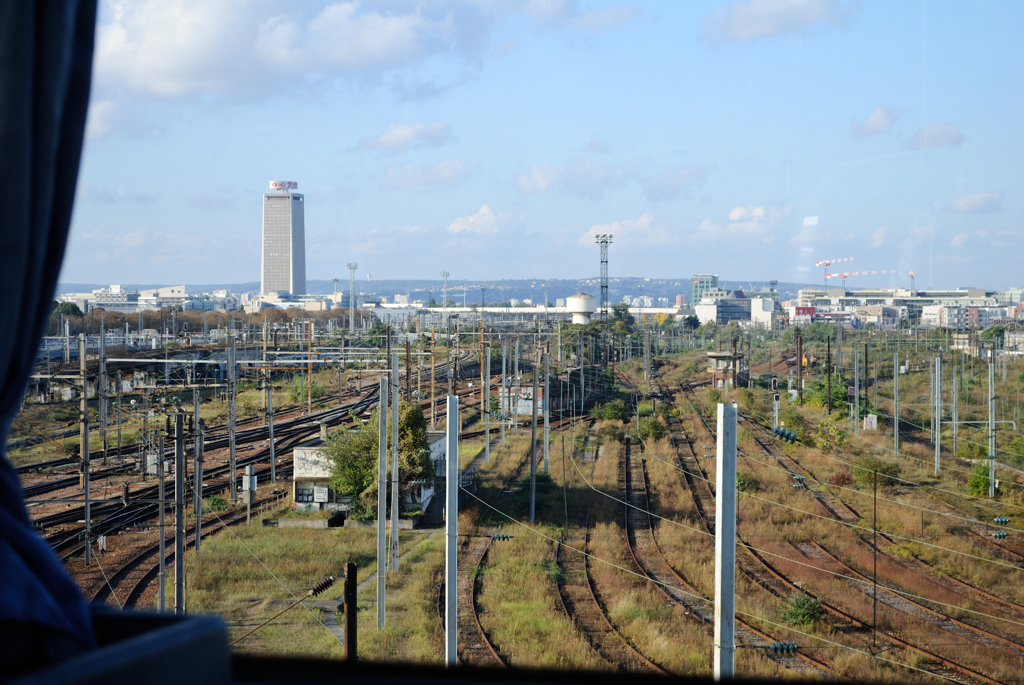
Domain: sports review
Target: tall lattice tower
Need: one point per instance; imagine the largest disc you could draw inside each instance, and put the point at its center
(604, 240)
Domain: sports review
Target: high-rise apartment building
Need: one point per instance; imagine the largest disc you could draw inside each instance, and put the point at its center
(284, 240)
(699, 284)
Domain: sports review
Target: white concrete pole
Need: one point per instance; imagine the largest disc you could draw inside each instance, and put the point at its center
(725, 544)
(896, 403)
(270, 430)
(547, 409)
(179, 512)
(394, 461)
(451, 539)
(503, 393)
(382, 494)
(991, 428)
(487, 403)
(938, 412)
(233, 486)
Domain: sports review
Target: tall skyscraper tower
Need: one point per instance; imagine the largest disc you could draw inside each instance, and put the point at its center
(284, 240)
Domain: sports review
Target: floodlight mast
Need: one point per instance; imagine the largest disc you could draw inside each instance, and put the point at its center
(604, 240)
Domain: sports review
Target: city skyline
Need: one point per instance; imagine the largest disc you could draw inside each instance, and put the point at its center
(748, 139)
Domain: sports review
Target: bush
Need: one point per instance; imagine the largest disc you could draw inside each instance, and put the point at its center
(650, 428)
(841, 479)
(714, 396)
(977, 484)
(645, 409)
(800, 609)
(746, 481)
(610, 431)
(866, 465)
(616, 410)
(828, 436)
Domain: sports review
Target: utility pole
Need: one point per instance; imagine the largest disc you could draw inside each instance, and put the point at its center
(896, 403)
(856, 392)
(533, 443)
(84, 447)
(103, 389)
(444, 309)
(725, 544)
(162, 496)
(938, 411)
(382, 501)
(408, 371)
(270, 430)
(518, 381)
(503, 393)
(991, 426)
(800, 365)
(352, 266)
(451, 538)
(828, 371)
(198, 500)
(547, 409)
(233, 486)
(179, 512)
(487, 404)
(395, 497)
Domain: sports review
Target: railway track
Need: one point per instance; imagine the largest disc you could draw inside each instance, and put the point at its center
(774, 581)
(578, 600)
(135, 575)
(745, 634)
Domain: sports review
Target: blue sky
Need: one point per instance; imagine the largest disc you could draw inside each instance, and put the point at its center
(495, 139)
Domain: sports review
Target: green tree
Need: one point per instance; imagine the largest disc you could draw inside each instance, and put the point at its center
(65, 308)
(353, 456)
(623, 323)
(690, 323)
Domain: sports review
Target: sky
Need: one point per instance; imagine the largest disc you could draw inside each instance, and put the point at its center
(496, 139)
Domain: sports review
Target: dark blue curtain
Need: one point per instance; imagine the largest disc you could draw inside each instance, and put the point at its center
(45, 68)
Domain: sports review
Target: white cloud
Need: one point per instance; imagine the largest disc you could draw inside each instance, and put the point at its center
(936, 134)
(484, 221)
(962, 239)
(98, 121)
(643, 231)
(879, 236)
(981, 202)
(591, 179)
(401, 137)
(444, 174)
(583, 177)
(748, 222)
(106, 195)
(878, 121)
(173, 48)
(343, 36)
(752, 19)
(602, 19)
(673, 182)
(554, 14)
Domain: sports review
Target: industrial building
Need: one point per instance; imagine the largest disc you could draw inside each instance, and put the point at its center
(283, 266)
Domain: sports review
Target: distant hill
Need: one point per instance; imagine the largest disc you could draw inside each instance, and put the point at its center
(495, 290)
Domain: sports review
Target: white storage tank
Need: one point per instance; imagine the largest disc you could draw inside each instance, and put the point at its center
(581, 306)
